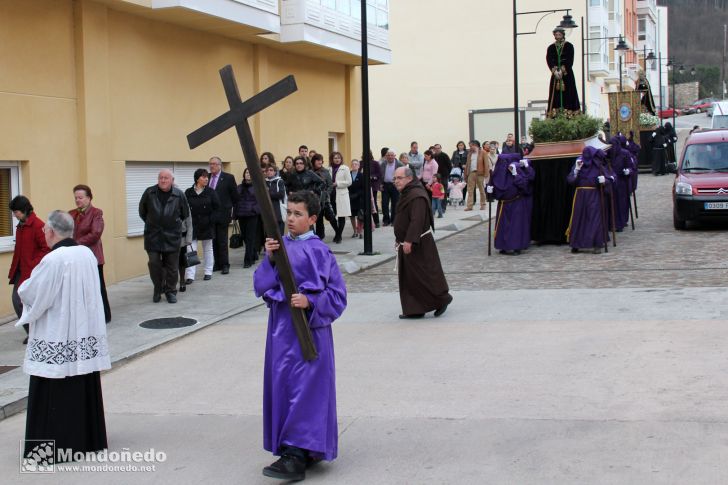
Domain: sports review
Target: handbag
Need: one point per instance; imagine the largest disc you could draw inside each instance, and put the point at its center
(236, 240)
(191, 257)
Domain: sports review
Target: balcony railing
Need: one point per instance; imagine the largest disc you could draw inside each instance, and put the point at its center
(266, 5)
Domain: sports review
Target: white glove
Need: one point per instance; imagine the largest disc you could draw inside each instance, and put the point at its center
(512, 168)
(654, 134)
(579, 164)
(664, 145)
(489, 189)
(626, 171)
(524, 163)
(601, 179)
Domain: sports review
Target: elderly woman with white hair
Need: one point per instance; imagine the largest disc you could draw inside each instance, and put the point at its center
(67, 345)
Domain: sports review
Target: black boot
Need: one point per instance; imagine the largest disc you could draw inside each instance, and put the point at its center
(290, 466)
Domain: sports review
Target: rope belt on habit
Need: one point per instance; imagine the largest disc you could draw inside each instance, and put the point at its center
(397, 246)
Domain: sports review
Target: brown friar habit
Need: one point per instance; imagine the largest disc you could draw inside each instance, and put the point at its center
(422, 284)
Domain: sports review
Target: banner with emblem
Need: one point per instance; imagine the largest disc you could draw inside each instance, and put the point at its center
(624, 112)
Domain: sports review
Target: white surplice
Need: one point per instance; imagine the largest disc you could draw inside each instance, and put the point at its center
(62, 303)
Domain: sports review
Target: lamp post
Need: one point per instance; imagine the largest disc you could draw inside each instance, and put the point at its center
(620, 47)
(567, 23)
(366, 158)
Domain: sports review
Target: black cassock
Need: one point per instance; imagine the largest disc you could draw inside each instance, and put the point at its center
(562, 92)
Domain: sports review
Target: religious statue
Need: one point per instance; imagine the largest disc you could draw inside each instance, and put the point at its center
(647, 101)
(563, 95)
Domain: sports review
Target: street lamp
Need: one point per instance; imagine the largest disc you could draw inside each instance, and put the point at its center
(621, 47)
(567, 23)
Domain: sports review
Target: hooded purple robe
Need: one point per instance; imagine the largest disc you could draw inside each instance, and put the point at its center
(588, 214)
(515, 203)
(634, 151)
(621, 159)
(299, 397)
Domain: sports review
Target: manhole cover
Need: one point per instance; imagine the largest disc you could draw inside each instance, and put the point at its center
(165, 323)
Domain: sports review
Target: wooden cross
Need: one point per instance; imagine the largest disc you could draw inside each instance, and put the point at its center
(238, 116)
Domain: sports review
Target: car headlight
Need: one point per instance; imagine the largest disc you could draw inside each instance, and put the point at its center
(681, 188)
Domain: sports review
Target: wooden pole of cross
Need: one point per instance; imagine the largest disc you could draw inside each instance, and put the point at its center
(237, 117)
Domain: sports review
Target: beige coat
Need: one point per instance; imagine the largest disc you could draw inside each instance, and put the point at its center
(343, 181)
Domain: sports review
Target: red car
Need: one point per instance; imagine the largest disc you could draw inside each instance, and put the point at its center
(700, 190)
(702, 105)
(668, 113)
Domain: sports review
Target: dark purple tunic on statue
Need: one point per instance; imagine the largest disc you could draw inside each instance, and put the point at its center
(620, 159)
(586, 228)
(299, 397)
(515, 203)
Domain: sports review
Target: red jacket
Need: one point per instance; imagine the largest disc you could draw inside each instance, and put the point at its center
(87, 229)
(30, 247)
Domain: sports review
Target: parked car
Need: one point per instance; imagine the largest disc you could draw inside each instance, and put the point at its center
(700, 105)
(700, 189)
(668, 113)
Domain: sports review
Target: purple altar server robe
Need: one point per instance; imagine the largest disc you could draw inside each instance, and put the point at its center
(586, 228)
(515, 203)
(299, 397)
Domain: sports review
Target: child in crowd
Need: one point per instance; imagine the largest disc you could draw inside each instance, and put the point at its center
(455, 194)
(438, 195)
(299, 396)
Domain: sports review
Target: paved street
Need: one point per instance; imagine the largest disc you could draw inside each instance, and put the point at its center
(524, 380)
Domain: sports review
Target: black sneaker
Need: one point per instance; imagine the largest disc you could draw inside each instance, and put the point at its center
(207, 277)
(171, 297)
(288, 467)
(157, 297)
(189, 281)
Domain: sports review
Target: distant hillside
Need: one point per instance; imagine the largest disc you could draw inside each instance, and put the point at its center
(696, 30)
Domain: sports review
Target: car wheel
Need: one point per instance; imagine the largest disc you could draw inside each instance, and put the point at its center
(679, 224)
(698, 110)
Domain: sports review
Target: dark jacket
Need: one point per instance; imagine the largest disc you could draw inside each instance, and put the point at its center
(163, 225)
(227, 194)
(375, 176)
(306, 180)
(202, 207)
(277, 191)
(247, 204)
(30, 247)
(87, 229)
(459, 160)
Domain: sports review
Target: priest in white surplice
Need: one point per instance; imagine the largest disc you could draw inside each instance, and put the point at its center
(67, 344)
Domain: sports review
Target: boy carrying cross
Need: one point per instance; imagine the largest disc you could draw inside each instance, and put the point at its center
(299, 396)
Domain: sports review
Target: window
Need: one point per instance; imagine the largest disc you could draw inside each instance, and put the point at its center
(9, 188)
(140, 175)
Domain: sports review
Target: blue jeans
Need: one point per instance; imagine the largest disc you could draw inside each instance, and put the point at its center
(437, 206)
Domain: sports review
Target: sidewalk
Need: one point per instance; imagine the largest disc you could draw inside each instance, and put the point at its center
(207, 302)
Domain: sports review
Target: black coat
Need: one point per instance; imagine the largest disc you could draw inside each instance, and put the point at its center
(227, 193)
(356, 193)
(163, 225)
(444, 166)
(202, 207)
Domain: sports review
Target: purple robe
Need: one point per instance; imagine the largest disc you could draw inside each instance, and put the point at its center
(515, 203)
(299, 397)
(634, 151)
(586, 225)
(621, 159)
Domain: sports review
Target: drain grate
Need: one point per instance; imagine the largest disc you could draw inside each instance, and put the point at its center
(167, 323)
(7, 368)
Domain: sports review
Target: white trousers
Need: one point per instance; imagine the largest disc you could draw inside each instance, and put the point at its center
(208, 260)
